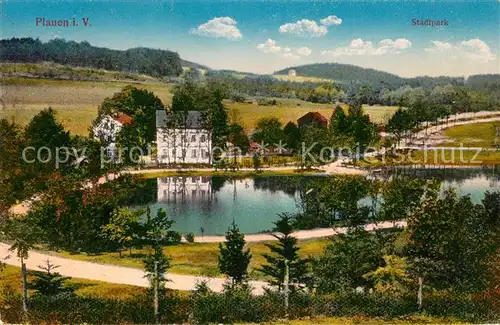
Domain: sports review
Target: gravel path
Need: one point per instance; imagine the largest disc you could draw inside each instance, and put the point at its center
(115, 274)
(303, 234)
(133, 276)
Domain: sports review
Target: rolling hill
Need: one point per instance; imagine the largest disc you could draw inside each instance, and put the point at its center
(351, 74)
(140, 60)
(345, 74)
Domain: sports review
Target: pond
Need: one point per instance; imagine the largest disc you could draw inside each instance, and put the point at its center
(210, 204)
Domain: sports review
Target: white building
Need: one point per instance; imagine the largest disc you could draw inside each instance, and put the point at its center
(181, 138)
(184, 189)
(292, 73)
(107, 130)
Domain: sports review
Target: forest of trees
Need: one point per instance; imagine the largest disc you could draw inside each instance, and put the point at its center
(157, 63)
(351, 74)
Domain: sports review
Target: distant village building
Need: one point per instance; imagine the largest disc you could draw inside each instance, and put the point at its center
(312, 118)
(181, 138)
(292, 73)
(107, 130)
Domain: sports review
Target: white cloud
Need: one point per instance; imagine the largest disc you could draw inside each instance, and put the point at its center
(389, 46)
(360, 47)
(269, 47)
(304, 28)
(219, 27)
(331, 20)
(291, 56)
(304, 51)
(473, 49)
(439, 47)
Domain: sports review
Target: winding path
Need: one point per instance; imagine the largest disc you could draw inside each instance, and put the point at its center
(133, 276)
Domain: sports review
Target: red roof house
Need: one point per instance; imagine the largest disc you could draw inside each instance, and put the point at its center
(312, 118)
(124, 119)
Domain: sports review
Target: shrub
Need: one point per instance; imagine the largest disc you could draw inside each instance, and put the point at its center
(190, 237)
(173, 237)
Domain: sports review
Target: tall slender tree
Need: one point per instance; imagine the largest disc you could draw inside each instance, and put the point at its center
(285, 260)
(233, 258)
(23, 236)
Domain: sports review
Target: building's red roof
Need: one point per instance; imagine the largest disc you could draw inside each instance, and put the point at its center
(124, 119)
(313, 116)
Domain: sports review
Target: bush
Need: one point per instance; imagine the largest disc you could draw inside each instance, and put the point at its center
(173, 237)
(190, 237)
(74, 309)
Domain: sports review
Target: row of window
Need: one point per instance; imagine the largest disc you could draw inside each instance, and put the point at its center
(194, 153)
(203, 138)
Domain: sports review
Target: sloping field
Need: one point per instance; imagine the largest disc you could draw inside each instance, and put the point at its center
(76, 102)
(473, 135)
(288, 110)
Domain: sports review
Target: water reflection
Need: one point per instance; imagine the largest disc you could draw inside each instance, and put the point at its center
(213, 203)
(184, 189)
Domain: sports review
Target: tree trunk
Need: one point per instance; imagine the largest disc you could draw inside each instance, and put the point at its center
(420, 298)
(25, 286)
(155, 283)
(286, 281)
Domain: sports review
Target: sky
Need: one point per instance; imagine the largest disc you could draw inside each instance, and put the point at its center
(266, 36)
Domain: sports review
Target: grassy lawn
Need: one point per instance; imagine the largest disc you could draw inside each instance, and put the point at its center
(11, 276)
(439, 157)
(77, 102)
(473, 135)
(197, 258)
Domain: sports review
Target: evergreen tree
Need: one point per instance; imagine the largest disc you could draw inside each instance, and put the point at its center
(292, 136)
(156, 262)
(346, 260)
(156, 265)
(239, 141)
(49, 283)
(338, 122)
(285, 252)
(11, 147)
(24, 237)
(233, 259)
(45, 131)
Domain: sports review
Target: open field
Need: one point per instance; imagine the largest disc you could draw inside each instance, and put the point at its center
(291, 109)
(76, 102)
(197, 258)
(472, 135)
(299, 78)
(51, 70)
